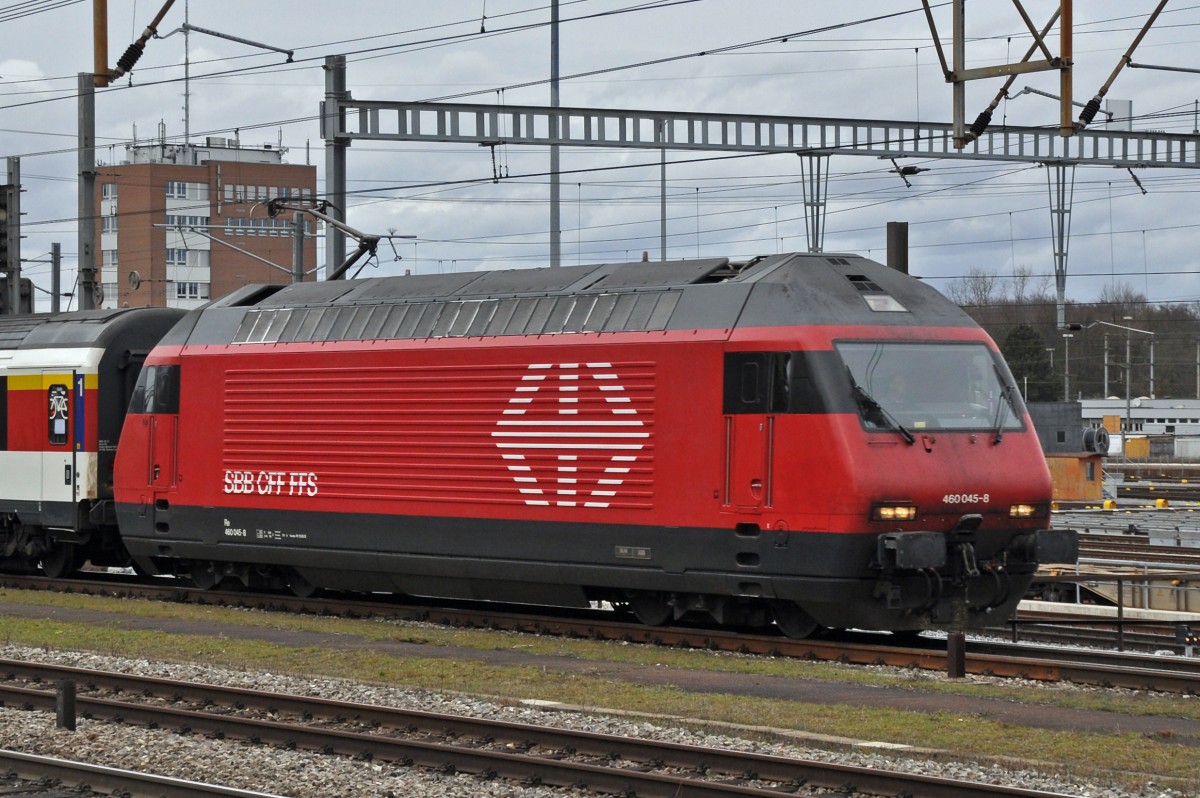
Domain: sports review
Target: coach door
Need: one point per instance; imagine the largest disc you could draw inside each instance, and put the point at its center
(749, 429)
(63, 415)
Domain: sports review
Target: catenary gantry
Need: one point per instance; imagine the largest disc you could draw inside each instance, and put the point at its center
(815, 139)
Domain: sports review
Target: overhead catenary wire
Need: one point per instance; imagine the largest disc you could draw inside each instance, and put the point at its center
(403, 188)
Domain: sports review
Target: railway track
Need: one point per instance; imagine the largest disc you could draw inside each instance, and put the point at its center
(605, 764)
(987, 657)
(1135, 547)
(28, 775)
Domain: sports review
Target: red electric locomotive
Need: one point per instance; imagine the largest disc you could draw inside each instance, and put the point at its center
(811, 439)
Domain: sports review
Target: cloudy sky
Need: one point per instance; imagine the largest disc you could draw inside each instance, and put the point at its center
(871, 59)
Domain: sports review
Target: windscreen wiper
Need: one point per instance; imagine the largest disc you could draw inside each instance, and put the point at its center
(866, 401)
(1001, 415)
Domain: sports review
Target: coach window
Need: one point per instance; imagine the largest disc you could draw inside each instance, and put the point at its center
(59, 399)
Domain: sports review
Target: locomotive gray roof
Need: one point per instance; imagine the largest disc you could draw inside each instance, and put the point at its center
(775, 290)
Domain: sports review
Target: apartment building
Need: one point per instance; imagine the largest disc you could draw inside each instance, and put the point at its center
(180, 224)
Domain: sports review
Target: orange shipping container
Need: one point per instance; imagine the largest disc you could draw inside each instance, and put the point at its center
(1076, 477)
(1138, 448)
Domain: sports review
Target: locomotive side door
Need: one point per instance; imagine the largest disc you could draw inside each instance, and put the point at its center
(162, 404)
(749, 429)
(163, 432)
(747, 458)
(154, 431)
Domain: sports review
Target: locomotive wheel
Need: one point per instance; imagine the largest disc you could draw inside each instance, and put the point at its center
(652, 609)
(59, 561)
(205, 576)
(300, 587)
(792, 620)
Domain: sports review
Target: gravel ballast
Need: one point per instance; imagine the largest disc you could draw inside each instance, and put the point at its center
(300, 774)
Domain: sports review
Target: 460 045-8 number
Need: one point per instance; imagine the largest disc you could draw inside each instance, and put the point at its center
(966, 498)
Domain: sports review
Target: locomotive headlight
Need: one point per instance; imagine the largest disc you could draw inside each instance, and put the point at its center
(1027, 511)
(894, 512)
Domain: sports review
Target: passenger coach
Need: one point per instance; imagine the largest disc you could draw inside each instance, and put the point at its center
(65, 383)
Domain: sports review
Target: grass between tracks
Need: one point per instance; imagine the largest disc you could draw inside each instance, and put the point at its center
(579, 678)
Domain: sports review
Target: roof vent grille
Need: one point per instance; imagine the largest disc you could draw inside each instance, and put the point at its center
(876, 298)
(863, 284)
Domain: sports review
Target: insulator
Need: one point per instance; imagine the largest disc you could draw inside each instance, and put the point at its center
(1089, 112)
(981, 123)
(125, 63)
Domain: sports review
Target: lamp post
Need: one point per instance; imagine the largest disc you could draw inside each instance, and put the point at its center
(1067, 366)
(1106, 365)
(1128, 366)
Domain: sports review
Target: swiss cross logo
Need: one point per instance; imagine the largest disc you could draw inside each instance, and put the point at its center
(570, 435)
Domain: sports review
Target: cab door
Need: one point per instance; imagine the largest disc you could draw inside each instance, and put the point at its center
(755, 387)
(163, 448)
(748, 460)
(148, 454)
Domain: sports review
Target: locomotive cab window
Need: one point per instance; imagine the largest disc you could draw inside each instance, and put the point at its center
(930, 385)
(774, 382)
(157, 390)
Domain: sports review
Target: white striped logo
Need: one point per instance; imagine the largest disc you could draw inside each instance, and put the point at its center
(570, 435)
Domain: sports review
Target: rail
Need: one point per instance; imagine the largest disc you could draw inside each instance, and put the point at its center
(519, 752)
(1179, 576)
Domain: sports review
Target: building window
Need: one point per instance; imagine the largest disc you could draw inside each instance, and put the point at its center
(176, 257)
(108, 191)
(229, 192)
(176, 189)
(1090, 465)
(1062, 436)
(181, 220)
(108, 224)
(108, 260)
(191, 290)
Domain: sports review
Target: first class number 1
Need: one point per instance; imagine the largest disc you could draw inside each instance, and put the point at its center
(273, 483)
